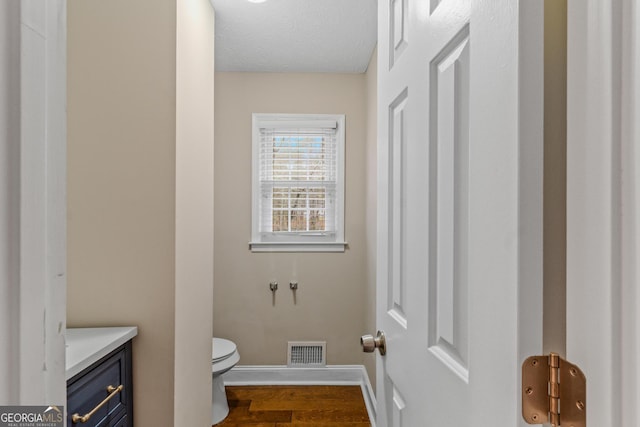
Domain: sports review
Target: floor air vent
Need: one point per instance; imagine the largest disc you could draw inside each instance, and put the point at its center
(307, 354)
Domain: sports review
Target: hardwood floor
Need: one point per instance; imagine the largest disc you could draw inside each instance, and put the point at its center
(302, 406)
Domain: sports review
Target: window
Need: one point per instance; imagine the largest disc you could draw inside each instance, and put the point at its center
(298, 183)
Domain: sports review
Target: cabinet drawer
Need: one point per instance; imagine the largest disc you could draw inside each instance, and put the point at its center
(88, 389)
(122, 422)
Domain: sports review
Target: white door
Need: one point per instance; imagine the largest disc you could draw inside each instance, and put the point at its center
(460, 209)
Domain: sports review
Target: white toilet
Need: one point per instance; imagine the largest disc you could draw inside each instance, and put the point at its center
(225, 357)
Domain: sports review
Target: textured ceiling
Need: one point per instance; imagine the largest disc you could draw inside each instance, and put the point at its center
(335, 36)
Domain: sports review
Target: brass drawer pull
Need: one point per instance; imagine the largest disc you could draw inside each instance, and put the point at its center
(76, 418)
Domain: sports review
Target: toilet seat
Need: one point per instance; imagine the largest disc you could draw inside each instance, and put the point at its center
(222, 349)
(224, 355)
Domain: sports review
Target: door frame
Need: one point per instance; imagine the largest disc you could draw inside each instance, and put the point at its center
(603, 204)
(43, 203)
(35, 204)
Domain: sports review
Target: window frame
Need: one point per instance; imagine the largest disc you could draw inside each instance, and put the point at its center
(297, 242)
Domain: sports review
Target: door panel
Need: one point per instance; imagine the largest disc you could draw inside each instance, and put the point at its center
(398, 29)
(449, 205)
(453, 212)
(397, 238)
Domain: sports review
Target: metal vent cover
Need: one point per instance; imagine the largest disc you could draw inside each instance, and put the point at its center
(303, 354)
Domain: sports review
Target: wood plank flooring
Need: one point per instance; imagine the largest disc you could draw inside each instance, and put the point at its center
(302, 406)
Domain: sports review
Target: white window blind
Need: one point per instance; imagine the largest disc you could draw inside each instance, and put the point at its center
(300, 193)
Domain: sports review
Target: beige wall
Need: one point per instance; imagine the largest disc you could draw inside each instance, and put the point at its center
(121, 184)
(371, 191)
(331, 301)
(129, 203)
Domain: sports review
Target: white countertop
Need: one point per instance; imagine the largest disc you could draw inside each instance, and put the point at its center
(85, 346)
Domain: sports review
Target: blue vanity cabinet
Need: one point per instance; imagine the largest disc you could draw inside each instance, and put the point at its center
(102, 394)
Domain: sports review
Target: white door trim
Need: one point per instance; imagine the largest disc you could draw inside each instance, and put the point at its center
(9, 196)
(36, 204)
(630, 155)
(603, 203)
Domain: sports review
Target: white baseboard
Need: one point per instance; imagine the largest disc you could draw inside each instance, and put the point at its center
(329, 375)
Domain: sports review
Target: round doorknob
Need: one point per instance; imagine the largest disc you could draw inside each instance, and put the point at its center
(369, 343)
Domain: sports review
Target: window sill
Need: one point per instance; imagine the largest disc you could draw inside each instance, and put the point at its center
(297, 247)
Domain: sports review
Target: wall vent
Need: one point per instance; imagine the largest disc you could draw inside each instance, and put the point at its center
(306, 354)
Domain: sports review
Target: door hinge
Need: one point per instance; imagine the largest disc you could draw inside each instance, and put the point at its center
(553, 391)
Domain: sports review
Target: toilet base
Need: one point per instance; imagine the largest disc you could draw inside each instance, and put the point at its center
(219, 404)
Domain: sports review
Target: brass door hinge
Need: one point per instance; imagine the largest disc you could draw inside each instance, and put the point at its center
(553, 391)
